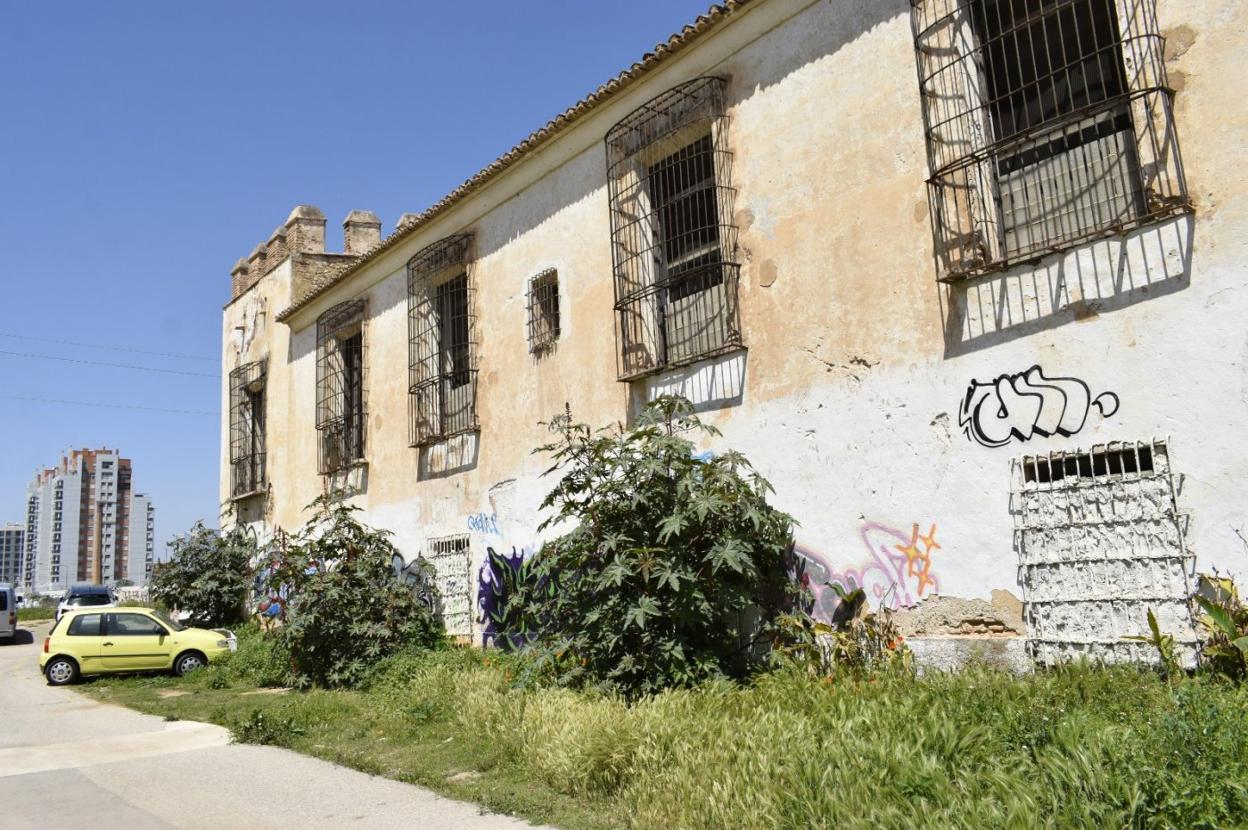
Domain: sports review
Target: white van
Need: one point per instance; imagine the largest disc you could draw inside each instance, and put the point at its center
(8, 613)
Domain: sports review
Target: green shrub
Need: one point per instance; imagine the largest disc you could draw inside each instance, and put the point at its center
(266, 729)
(346, 610)
(208, 576)
(36, 613)
(675, 569)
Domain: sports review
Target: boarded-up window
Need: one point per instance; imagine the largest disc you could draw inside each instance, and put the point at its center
(1100, 542)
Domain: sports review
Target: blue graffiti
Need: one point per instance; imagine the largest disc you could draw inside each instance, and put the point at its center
(484, 523)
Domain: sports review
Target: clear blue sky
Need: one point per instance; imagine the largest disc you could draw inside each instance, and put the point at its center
(145, 146)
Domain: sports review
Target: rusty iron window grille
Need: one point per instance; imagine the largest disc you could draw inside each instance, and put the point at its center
(248, 472)
(340, 386)
(543, 311)
(442, 345)
(673, 240)
(1049, 123)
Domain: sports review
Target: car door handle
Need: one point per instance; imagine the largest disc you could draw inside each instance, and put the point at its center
(108, 644)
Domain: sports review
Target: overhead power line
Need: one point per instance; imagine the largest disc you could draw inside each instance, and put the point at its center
(110, 348)
(109, 365)
(110, 405)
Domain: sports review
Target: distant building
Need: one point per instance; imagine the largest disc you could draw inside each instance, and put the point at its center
(84, 523)
(12, 551)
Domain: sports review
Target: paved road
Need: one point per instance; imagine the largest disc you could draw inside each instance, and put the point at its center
(67, 761)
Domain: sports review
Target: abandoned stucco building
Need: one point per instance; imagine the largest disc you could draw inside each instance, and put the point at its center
(964, 278)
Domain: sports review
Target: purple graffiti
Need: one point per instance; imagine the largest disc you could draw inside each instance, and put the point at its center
(898, 574)
(492, 589)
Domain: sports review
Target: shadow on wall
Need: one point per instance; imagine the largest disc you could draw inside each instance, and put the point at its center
(708, 385)
(449, 456)
(1076, 286)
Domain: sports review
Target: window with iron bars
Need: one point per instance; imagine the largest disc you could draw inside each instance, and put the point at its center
(673, 241)
(1049, 123)
(340, 408)
(248, 473)
(543, 311)
(442, 369)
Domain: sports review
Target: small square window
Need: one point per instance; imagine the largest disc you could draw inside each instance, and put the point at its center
(543, 311)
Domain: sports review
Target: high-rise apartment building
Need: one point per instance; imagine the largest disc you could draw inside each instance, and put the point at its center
(85, 523)
(12, 552)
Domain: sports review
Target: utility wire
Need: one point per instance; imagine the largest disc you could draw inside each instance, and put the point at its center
(110, 405)
(110, 365)
(110, 348)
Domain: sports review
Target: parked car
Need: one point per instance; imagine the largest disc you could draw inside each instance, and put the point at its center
(85, 596)
(89, 641)
(8, 613)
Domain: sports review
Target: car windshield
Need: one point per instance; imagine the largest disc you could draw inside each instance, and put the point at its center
(167, 620)
(92, 599)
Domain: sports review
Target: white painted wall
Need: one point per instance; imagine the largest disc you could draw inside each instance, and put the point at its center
(849, 397)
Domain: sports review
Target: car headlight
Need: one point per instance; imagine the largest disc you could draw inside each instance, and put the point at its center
(223, 643)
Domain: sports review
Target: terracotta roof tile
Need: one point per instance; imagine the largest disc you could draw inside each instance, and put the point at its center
(715, 15)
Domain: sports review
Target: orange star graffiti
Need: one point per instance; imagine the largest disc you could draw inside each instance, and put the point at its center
(919, 562)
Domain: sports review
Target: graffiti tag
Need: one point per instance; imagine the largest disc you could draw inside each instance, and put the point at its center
(484, 523)
(898, 573)
(1028, 404)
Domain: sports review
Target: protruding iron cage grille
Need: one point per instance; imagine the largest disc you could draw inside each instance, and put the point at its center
(673, 241)
(248, 473)
(340, 384)
(442, 345)
(543, 311)
(1048, 122)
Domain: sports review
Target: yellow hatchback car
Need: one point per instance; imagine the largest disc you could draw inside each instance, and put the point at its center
(107, 641)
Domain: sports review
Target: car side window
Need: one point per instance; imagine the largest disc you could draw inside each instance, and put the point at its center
(134, 625)
(86, 625)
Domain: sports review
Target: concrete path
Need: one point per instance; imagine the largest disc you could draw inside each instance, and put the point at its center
(67, 761)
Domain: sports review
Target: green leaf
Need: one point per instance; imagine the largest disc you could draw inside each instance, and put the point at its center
(1219, 616)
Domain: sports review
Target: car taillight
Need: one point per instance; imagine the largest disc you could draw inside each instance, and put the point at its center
(12, 618)
(46, 641)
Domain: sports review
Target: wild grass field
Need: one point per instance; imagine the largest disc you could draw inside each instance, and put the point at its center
(1082, 746)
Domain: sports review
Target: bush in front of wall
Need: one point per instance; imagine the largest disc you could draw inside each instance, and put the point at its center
(207, 576)
(676, 569)
(346, 610)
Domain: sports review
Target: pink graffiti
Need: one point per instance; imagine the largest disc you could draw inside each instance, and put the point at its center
(898, 574)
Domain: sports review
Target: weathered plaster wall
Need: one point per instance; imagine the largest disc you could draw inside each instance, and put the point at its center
(849, 398)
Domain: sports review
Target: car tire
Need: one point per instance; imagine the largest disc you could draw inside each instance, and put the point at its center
(61, 671)
(187, 662)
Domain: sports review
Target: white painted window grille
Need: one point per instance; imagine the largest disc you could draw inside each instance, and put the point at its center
(1048, 123)
(1101, 541)
(451, 560)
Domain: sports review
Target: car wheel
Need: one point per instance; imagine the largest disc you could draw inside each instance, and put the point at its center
(189, 661)
(61, 671)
